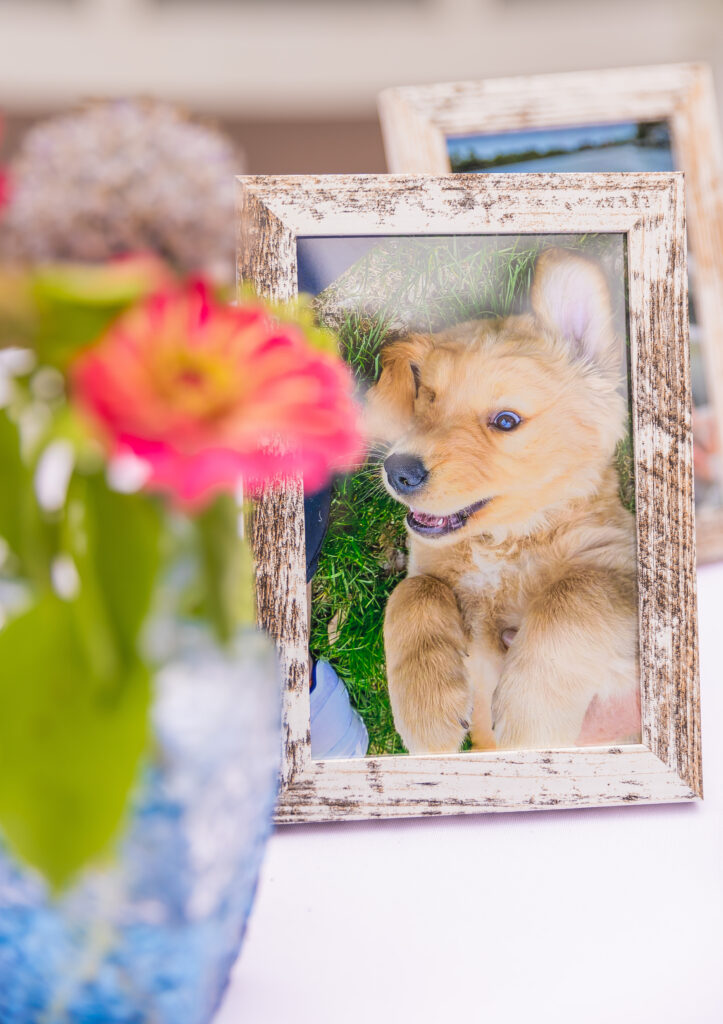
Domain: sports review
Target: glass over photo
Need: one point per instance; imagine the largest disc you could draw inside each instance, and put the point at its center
(627, 146)
(474, 582)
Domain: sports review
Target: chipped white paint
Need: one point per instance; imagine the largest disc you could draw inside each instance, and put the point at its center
(648, 209)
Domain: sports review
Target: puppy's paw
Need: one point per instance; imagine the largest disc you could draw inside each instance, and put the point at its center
(425, 646)
(442, 730)
(432, 704)
(528, 717)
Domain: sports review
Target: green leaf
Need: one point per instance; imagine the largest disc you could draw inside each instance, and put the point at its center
(37, 312)
(73, 691)
(63, 328)
(114, 540)
(69, 746)
(21, 523)
(75, 303)
(102, 285)
(58, 308)
(13, 480)
(17, 311)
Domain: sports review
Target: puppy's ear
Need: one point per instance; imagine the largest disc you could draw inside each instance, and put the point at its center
(570, 298)
(390, 402)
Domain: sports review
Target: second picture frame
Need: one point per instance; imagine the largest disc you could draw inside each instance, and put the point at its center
(657, 118)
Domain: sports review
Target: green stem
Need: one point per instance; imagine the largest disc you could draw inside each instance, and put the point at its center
(228, 568)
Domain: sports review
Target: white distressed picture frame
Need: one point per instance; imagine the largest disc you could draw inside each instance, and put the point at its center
(649, 210)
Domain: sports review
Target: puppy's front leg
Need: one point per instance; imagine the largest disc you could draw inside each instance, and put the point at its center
(577, 640)
(425, 648)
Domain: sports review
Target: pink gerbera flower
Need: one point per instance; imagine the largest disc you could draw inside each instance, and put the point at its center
(207, 394)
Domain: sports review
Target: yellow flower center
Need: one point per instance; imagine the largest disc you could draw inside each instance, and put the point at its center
(198, 384)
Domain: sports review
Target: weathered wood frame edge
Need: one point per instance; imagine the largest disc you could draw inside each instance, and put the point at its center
(649, 210)
(416, 121)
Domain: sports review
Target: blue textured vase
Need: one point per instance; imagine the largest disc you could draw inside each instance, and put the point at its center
(149, 937)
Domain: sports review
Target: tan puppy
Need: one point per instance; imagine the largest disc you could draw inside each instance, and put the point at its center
(520, 603)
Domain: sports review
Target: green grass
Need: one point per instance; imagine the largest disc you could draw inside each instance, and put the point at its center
(359, 567)
(422, 284)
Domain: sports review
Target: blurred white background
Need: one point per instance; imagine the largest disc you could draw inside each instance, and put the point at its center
(296, 80)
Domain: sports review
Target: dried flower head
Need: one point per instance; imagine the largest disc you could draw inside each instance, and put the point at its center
(124, 176)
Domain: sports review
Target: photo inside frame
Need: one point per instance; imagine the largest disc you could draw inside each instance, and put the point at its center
(624, 146)
(494, 374)
(618, 146)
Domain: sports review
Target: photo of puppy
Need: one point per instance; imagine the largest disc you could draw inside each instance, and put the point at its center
(518, 614)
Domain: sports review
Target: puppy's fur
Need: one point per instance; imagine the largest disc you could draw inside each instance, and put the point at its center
(510, 625)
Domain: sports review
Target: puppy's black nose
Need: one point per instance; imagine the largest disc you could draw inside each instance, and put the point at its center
(406, 473)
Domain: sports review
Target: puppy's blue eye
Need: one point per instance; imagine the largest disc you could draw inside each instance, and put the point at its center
(506, 420)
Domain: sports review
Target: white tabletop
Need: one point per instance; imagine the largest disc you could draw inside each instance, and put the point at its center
(570, 916)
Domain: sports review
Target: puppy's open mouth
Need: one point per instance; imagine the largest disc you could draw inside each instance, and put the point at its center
(435, 526)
